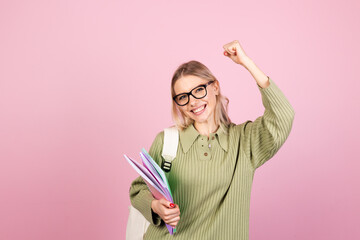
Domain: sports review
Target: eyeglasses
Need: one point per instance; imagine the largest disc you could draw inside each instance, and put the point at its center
(199, 92)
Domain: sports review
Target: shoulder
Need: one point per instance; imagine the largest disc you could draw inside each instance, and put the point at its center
(240, 127)
(156, 147)
(240, 131)
(237, 128)
(159, 139)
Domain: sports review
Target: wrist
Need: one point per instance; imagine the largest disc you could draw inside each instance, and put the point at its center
(153, 205)
(247, 63)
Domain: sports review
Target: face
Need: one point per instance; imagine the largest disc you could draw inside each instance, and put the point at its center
(200, 110)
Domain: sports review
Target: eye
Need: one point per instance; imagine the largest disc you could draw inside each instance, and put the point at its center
(181, 98)
(199, 89)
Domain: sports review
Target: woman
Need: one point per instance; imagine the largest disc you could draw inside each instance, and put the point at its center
(212, 174)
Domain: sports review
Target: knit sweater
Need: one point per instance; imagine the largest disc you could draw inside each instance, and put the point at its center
(211, 178)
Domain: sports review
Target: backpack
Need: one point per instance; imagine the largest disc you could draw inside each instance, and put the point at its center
(137, 224)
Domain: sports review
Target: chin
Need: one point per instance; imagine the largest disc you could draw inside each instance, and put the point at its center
(200, 120)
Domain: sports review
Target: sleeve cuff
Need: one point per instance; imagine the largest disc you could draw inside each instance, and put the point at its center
(150, 215)
(271, 82)
(273, 98)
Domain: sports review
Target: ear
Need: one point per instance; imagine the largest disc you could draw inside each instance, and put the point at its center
(216, 87)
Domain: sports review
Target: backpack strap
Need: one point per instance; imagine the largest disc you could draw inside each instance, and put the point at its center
(171, 142)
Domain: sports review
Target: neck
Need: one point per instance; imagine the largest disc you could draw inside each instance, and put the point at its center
(206, 128)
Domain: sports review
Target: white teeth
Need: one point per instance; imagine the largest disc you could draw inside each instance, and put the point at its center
(199, 109)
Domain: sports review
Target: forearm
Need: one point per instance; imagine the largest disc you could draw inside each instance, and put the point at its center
(142, 199)
(260, 77)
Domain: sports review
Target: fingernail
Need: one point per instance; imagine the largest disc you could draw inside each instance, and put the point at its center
(172, 205)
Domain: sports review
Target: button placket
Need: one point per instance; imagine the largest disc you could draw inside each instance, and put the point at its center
(204, 150)
(211, 141)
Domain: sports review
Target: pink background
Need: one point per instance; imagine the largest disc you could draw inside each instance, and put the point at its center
(83, 82)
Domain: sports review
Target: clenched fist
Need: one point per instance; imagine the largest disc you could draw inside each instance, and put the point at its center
(234, 51)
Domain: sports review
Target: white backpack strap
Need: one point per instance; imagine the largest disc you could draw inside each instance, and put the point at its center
(171, 142)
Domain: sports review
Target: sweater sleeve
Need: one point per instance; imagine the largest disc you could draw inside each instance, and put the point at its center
(140, 195)
(264, 137)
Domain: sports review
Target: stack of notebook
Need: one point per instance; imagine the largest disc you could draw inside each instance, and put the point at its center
(154, 178)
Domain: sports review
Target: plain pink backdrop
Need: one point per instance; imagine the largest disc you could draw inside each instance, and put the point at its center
(83, 82)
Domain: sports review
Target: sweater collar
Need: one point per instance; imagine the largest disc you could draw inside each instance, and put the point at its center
(190, 134)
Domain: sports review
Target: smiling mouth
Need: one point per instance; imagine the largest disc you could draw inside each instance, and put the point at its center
(199, 110)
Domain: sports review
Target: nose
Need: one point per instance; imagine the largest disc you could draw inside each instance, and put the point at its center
(192, 101)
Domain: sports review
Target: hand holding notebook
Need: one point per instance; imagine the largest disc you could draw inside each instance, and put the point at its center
(154, 178)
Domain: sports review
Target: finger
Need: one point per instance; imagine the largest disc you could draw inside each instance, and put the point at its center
(233, 49)
(173, 221)
(227, 48)
(171, 218)
(169, 212)
(172, 215)
(173, 225)
(226, 53)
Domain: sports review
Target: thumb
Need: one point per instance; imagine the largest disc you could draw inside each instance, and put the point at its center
(227, 54)
(166, 203)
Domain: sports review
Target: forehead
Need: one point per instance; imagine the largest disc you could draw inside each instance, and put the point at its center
(187, 83)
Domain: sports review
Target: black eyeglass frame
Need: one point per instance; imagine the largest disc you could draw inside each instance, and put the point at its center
(190, 93)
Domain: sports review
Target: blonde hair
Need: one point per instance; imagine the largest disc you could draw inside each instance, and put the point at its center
(198, 69)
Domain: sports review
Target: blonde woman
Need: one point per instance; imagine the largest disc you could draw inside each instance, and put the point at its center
(211, 176)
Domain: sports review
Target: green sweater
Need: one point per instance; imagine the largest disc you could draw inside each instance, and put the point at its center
(211, 178)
